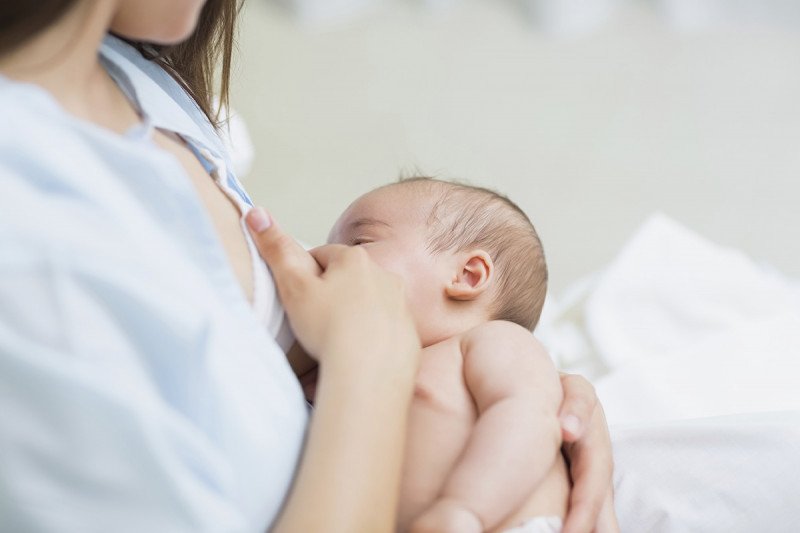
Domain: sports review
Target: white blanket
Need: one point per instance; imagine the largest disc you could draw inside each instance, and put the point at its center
(674, 330)
(736, 474)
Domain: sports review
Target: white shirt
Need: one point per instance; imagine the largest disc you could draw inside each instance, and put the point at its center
(139, 391)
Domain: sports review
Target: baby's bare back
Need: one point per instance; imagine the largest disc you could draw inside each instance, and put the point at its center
(442, 418)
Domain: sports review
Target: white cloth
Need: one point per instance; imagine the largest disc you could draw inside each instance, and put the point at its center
(139, 391)
(735, 474)
(693, 349)
(669, 288)
(690, 329)
(677, 327)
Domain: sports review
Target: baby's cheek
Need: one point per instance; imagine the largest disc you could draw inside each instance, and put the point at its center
(385, 259)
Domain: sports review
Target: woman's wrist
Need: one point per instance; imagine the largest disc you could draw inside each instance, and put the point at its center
(355, 444)
(367, 364)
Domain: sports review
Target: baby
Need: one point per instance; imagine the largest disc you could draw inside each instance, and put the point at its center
(483, 449)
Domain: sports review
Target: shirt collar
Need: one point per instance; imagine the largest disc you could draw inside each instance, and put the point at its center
(156, 93)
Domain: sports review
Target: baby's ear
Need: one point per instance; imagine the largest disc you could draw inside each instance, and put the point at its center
(474, 274)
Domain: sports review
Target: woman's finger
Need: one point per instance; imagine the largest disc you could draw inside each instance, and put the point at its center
(588, 494)
(577, 408)
(329, 253)
(292, 267)
(607, 521)
(591, 466)
(583, 513)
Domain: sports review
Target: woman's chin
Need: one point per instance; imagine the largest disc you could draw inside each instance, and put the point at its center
(162, 38)
(166, 29)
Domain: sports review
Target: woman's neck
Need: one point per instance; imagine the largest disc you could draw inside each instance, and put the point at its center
(63, 59)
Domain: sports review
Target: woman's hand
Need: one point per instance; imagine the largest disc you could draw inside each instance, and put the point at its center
(336, 298)
(587, 447)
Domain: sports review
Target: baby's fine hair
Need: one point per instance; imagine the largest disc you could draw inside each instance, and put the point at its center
(466, 217)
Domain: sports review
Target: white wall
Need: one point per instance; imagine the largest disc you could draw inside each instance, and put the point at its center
(588, 134)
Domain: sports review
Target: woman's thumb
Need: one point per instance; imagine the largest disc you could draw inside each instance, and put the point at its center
(289, 262)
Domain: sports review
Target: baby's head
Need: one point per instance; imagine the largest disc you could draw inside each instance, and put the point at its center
(466, 254)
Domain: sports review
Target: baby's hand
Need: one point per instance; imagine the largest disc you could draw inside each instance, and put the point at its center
(447, 516)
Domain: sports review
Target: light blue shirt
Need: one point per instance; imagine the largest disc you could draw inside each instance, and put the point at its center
(138, 390)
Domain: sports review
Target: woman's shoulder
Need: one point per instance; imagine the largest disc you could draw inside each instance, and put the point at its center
(22, 102)
(33, 125)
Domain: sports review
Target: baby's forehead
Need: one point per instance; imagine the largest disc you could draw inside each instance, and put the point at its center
(399, 202)
(398, 208)
(412, 191)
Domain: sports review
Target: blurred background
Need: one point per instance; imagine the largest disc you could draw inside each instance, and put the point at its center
(590, 114)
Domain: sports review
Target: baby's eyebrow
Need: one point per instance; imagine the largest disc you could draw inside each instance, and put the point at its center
(364, 221)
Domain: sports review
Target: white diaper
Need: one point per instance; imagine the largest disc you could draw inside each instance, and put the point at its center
(540, 524)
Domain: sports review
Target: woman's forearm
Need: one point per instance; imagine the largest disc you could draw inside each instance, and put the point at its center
(349, 477)
(353, 317)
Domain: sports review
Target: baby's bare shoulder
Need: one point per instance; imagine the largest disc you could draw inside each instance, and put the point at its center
(503, 359)
(499, 336)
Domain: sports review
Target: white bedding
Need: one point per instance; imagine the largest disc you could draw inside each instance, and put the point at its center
(729, 474)
(695, 353)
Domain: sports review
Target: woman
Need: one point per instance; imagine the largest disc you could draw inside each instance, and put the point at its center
(141, 373)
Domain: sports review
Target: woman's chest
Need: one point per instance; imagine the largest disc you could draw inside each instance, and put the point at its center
(224, 214)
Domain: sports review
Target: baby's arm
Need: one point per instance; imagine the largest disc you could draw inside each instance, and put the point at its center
(517, 435)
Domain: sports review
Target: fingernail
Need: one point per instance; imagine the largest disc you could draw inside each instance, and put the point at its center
(258, 219)
(571, 424)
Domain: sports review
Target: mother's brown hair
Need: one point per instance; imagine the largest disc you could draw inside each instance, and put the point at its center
(193, 62)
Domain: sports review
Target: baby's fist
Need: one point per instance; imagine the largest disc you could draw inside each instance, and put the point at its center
(447, 516)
